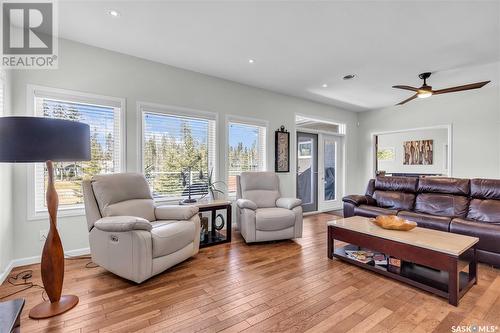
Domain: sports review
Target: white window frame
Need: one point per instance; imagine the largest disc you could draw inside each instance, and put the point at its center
(172, 110)
(244, 121)
(78, 97)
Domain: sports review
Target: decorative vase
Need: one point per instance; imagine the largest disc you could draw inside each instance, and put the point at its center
(204, 228)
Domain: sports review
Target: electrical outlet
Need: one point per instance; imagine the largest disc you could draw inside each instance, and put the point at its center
(43, 235)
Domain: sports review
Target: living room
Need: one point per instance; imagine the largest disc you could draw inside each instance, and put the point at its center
(181, 101)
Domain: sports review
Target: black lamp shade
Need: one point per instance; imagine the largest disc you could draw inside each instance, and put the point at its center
(36, 139)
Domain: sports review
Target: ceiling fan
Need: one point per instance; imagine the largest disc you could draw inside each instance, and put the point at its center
(426, 91)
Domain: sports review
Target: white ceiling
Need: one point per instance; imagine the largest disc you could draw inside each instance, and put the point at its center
(299, 45)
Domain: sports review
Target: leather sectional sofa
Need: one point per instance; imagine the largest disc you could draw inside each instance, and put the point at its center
(464, 206)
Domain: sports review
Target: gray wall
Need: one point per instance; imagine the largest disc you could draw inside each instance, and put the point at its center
(6, 219)
(475, 119)
(93, 70)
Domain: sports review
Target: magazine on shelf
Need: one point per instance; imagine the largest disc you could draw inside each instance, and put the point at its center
(360, 255)
(380, 259)
(365, 255)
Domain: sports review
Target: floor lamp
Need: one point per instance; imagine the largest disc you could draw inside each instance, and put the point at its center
(33, 139)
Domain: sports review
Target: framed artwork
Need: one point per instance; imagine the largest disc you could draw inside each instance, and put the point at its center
(419, 152)
(282, 150)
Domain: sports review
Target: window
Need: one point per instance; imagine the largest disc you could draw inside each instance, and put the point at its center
(246, 150)
(2, 92)
(104, 118)
(178, 150)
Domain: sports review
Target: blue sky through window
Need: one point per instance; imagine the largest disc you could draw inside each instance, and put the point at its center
(248, 135)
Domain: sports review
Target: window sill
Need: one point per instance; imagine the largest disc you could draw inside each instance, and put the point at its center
(68, 212)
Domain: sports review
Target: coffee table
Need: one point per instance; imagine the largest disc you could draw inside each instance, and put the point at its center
(431, 260)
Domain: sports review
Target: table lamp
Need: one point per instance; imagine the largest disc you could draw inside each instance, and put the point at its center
(34, 139)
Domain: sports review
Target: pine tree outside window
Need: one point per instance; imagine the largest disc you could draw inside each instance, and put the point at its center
(175, 143)
(104, 118)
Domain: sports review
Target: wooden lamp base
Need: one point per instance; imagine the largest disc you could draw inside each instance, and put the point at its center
(52, 265)
(48, 309)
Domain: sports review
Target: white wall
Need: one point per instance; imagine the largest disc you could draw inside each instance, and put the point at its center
(6, 218)
(475, 119)
(93, 70)
(396, 141)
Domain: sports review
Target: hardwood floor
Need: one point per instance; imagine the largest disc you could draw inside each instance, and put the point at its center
(274, 287)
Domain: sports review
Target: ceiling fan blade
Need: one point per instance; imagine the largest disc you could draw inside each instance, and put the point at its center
(460, 88)
(406, 88)
(407, 100)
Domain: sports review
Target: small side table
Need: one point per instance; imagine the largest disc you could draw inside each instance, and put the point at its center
(215, 237)
(10, 316)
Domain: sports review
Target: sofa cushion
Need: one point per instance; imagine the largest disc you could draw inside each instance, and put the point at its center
(288, 203)
(246, 204)
(359, 200)
(442, 204)
(427, 221)
(485, 188)
(260, 187)
(488, 233)
(484, 210)
(370, 188)
(137, 207)
(373, 211)
(444, 185)
(171, 236)
(113, 188)
(268, 219)
(399, 184)
(123, 194)
(122, 224)
(394, 200)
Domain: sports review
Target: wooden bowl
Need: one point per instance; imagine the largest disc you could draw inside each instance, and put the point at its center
(393, 222)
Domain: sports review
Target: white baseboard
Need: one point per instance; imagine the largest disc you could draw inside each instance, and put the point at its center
(35, 260)
(6, 272)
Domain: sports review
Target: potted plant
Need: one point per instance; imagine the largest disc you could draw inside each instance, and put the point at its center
(212, 186)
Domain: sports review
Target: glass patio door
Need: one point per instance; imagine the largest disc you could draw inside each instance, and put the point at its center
(307, 170)
(330, 172)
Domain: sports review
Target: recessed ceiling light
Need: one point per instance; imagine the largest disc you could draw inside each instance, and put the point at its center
(251, 61)
(113, 13)
(349, 76)
(325, 85)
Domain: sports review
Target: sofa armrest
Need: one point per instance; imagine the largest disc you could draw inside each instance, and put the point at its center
(359, 200)
(288, 203)
(122, 224)
(174, 212)
(245, 203)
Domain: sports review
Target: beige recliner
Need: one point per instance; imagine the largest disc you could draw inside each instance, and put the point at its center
(262, 215)
(131, 237)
